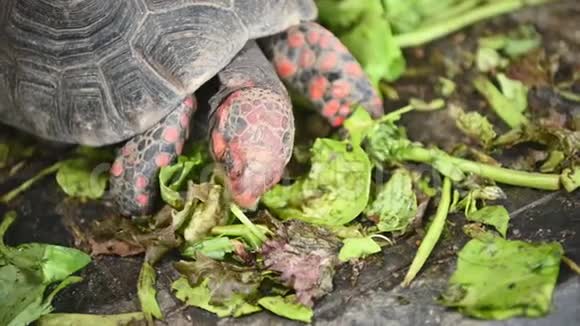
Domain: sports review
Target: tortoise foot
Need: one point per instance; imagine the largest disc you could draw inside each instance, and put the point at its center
(134, 175)
(312, 61)
(252, 137)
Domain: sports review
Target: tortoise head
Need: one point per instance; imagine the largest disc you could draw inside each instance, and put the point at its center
(252, 135)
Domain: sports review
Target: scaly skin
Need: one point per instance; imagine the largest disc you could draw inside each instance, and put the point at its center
(134, 174)
(314, 63)
(253, 137)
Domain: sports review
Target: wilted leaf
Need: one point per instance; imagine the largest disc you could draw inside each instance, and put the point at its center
(474, 125)
(305, 256)
(147, 293)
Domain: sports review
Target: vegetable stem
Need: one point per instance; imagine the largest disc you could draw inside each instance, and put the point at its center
(433, 233)
(542, 181)
(6, 198)
(246, 221)
(436, 30)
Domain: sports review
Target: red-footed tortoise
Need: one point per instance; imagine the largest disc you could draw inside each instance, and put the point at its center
(96, 72)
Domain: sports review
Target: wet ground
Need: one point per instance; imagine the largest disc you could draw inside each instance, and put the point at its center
(375, 297)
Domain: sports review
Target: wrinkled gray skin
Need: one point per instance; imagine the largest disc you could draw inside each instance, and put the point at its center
(98, 72)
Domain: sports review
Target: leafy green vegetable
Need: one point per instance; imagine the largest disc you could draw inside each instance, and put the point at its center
(495, 215)
(247, 223)
(173, 178)
(287, 307)
(335, 191)
(209, 212)
(215, 248)
(373, 45)
(354, 248)
(433, 233)
(13, 150)
(358, 125)
(474, 125)
(515, 43)
(244, 232)
(146, 292)
(510, 105)
(528, 274)
(90, 320)
(363, 29)
(200, 296)
(445, 87)
(570, 178)
(25, 273)
(488, 59)
(77, 178)
(554, 159)
(396, 204)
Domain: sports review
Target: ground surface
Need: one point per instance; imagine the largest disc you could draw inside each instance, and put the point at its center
(375, 298)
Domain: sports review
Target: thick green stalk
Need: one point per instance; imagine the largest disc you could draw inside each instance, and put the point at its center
(542, 181)
(436, 30)
(433, 233)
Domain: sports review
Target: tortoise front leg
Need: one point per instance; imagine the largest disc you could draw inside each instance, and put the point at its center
(252, 126)
(134, 174)
(314, 63)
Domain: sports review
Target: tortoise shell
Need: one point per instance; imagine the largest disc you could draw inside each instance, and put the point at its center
(98, 72)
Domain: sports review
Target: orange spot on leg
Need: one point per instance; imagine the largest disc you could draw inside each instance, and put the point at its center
(317, 88)
(142, 200)
(285, 68)
(117, 168)
(331, 108)
(328, 62)
(141, 182)
(295, 39)
(162, 159)
(340, 89)
(171, 134)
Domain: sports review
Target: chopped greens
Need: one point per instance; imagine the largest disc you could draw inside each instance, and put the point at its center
(287, 307)
(26, 271)
(496, 216)
(395, 205)
(354, 248)
(146, 291)
(90, 320)
(528, 276)
(321, 198)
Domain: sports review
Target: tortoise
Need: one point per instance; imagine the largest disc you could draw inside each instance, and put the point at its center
(125, 72)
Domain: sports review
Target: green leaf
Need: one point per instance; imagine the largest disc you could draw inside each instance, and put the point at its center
(287, 307)
(488, 59)
(474, 125)
(553, 161)
(147, 293)
(335, 191)
(496, 216)
(80, 177)
(354, 248)
(25, 273)
(373, 45)
(209, 212)
(528, 274)
(424, 106)
(570, 178)
(395, 204)
(215, 248)
(509, 105)
(63, 319)
(200, 296)
(515, 91)
(173, 178)
(358, 125)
